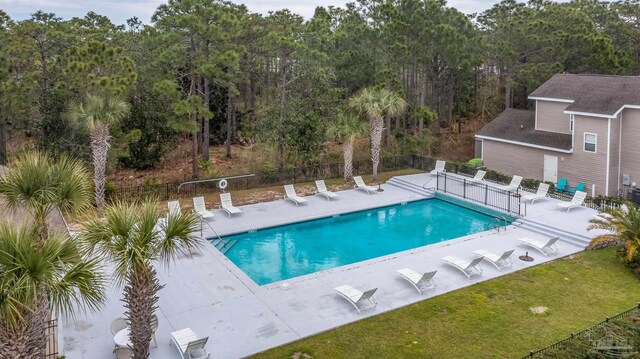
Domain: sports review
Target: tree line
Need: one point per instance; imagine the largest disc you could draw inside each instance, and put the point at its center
(216, 73)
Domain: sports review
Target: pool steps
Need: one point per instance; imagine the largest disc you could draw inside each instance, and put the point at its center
(223, 245)
(548, 231)
(409, 186)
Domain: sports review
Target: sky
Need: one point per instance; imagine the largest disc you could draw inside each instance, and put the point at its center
(121, 10)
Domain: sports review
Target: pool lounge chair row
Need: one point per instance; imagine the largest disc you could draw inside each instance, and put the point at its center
(543, 189)
(200, 208)
(424, 281)
(512, 186)
(321, 189)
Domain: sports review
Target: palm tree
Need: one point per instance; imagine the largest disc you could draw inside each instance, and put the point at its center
(623, 227)
(97, 113)
(131, 237)
(375, 104)
(54, 276)
(345, 130)
(40, 185)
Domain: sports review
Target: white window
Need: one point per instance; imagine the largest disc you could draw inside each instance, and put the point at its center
(590, 140)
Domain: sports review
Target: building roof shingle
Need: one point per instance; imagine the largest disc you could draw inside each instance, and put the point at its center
(519, 125)
(598, 94)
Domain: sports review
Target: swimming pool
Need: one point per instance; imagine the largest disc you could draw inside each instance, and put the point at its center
(293, 250)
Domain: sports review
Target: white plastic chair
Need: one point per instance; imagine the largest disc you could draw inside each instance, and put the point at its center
(543, 189)
(118, 324)
(363, 186)
(440, 165)
(478, 177)
(546, 248)
(323, 191)
(576, 201)
(514, 185)
(189, 344)
(419, 281)
(227, 204)
(499, 261)
(469, 268)
(290, 194)
(201, 209)
(360, 300)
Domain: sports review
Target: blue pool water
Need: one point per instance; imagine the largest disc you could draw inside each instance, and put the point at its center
(284, 252)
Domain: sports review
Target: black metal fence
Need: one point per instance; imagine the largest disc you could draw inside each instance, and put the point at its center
(495, 197)
(169, 190)
(52, 339)
(559, 344)
(482, 193)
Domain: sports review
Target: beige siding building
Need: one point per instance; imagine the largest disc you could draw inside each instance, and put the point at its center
(584, 128)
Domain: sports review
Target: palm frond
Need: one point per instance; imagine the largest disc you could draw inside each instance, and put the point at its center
(55, 266)
(623, 227)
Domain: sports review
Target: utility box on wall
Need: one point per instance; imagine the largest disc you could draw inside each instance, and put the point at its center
(626, 179)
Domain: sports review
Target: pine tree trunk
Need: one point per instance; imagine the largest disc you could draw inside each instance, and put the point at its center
(141, 299)
(230, 112)
(283, 103)
(376, 139)
(205, 122)
(29, 339)
(347, 155)
(193, 116)
(100, 151)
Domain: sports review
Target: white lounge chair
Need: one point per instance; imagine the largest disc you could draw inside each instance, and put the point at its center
(290, 194)
(174, 208)
(323, 191)
(514, 185)
(201, 209)
(357, 298)
(478, 177)
(546, 248)
(469, 268)
(499, 261)
(543, 189)
(363, 186)
(420, 281)
(189, 344)
(227, 204)
(576, 201)
(439, 167)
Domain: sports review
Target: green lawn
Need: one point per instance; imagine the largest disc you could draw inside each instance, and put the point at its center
(488, 320)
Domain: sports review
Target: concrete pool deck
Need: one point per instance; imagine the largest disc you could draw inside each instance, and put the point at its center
(212, 296)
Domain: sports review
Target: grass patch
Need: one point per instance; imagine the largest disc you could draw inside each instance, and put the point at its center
(488, 320)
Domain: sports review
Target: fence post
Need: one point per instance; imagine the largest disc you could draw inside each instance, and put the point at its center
(464, 188)
(486, 194)
(509, 200)
(445, 183)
